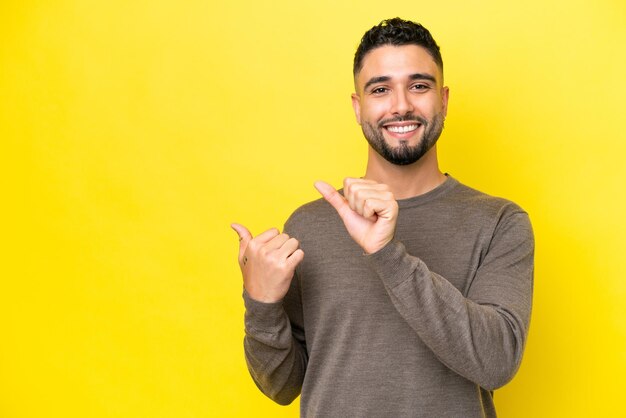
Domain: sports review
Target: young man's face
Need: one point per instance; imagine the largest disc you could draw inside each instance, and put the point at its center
(400, 102)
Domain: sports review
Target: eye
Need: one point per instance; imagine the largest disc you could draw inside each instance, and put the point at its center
(379, 90)
(420, 87)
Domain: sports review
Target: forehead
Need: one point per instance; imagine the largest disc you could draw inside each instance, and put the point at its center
(397, 62)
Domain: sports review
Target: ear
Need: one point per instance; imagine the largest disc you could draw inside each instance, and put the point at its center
(356, 105)
(445, 93)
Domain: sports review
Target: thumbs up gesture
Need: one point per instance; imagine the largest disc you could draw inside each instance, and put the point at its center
(368, 210)
(267, 262)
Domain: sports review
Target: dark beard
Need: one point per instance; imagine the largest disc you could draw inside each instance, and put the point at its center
(404, 154)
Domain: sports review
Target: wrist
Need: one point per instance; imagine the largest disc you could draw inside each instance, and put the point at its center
(262, 296)
(375, 248)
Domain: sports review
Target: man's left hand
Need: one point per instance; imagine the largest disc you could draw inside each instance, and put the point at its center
(368, 210)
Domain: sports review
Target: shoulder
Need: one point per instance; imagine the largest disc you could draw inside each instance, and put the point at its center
(471, 200)
(501, 216)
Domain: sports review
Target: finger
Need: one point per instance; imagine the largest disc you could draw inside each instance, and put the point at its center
(266, 236)
(288, 248)
(355, 186)
(349, 181)
(294, 259)
(244, 237)
(384, 209)
(333, 197)
(363, 195)
(352, 187)
(368, 210)
(276, 242)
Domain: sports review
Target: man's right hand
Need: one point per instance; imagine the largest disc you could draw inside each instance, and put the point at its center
(267, 263)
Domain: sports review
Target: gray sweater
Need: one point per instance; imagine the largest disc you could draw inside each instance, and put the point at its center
(428, 326)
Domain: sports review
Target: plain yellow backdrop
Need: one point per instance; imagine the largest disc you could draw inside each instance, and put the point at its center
(133, 132)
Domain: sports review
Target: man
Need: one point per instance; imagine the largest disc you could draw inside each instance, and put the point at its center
(406, 294)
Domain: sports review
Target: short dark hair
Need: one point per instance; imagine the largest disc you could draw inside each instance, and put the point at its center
(396, 32)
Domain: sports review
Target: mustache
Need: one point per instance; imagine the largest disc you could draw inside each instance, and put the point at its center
(405, 118)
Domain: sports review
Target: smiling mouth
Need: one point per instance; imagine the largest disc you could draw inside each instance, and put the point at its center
(402, 129)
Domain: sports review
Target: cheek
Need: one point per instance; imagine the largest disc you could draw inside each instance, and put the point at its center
(374, 110)
(435, 105)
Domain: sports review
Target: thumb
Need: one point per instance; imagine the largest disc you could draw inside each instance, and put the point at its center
(333, 197)
(244, 237)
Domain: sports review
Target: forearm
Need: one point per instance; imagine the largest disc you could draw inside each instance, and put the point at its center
(481, 341)
(276, 360)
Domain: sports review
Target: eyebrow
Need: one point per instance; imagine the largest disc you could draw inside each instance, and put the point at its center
(423, 76)
(383, 78)
(374, 80)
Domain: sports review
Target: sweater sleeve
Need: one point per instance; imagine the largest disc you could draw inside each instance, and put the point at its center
(480, 336)
(274, 345)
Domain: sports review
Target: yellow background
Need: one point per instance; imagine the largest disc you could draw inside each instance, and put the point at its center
(133, 132)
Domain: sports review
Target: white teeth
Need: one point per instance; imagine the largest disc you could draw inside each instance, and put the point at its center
(402, 129)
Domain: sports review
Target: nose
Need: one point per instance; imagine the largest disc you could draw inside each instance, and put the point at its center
(401, 104)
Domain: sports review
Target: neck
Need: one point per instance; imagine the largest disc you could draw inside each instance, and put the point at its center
(406, 181)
